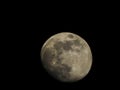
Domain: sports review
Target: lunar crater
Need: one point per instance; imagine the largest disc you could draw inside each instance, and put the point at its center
(70, 36)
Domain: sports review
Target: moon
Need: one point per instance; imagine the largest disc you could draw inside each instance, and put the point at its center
(66, 57)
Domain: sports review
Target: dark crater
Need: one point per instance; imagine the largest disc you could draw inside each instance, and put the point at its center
(70, 36)
(76, 42)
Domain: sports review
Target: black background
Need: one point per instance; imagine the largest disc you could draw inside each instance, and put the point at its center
(38, 75)
(25, 31)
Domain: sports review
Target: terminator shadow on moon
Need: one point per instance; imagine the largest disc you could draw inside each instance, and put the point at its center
(66, 57)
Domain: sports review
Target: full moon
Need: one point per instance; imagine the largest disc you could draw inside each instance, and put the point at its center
(66, 57)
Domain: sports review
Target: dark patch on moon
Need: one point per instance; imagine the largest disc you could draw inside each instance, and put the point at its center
(67, 45)
(58, 59)
(59, 52)
(76, 42)
(58, 45)
(77, 50)
(62, 72)
(70, 36)
(48, 56)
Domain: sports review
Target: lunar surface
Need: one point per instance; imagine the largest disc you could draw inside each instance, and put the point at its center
(66, 57)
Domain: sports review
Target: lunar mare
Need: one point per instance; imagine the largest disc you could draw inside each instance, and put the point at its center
(66, 56)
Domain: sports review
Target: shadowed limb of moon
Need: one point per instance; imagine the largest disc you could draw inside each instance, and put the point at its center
(67, 57)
